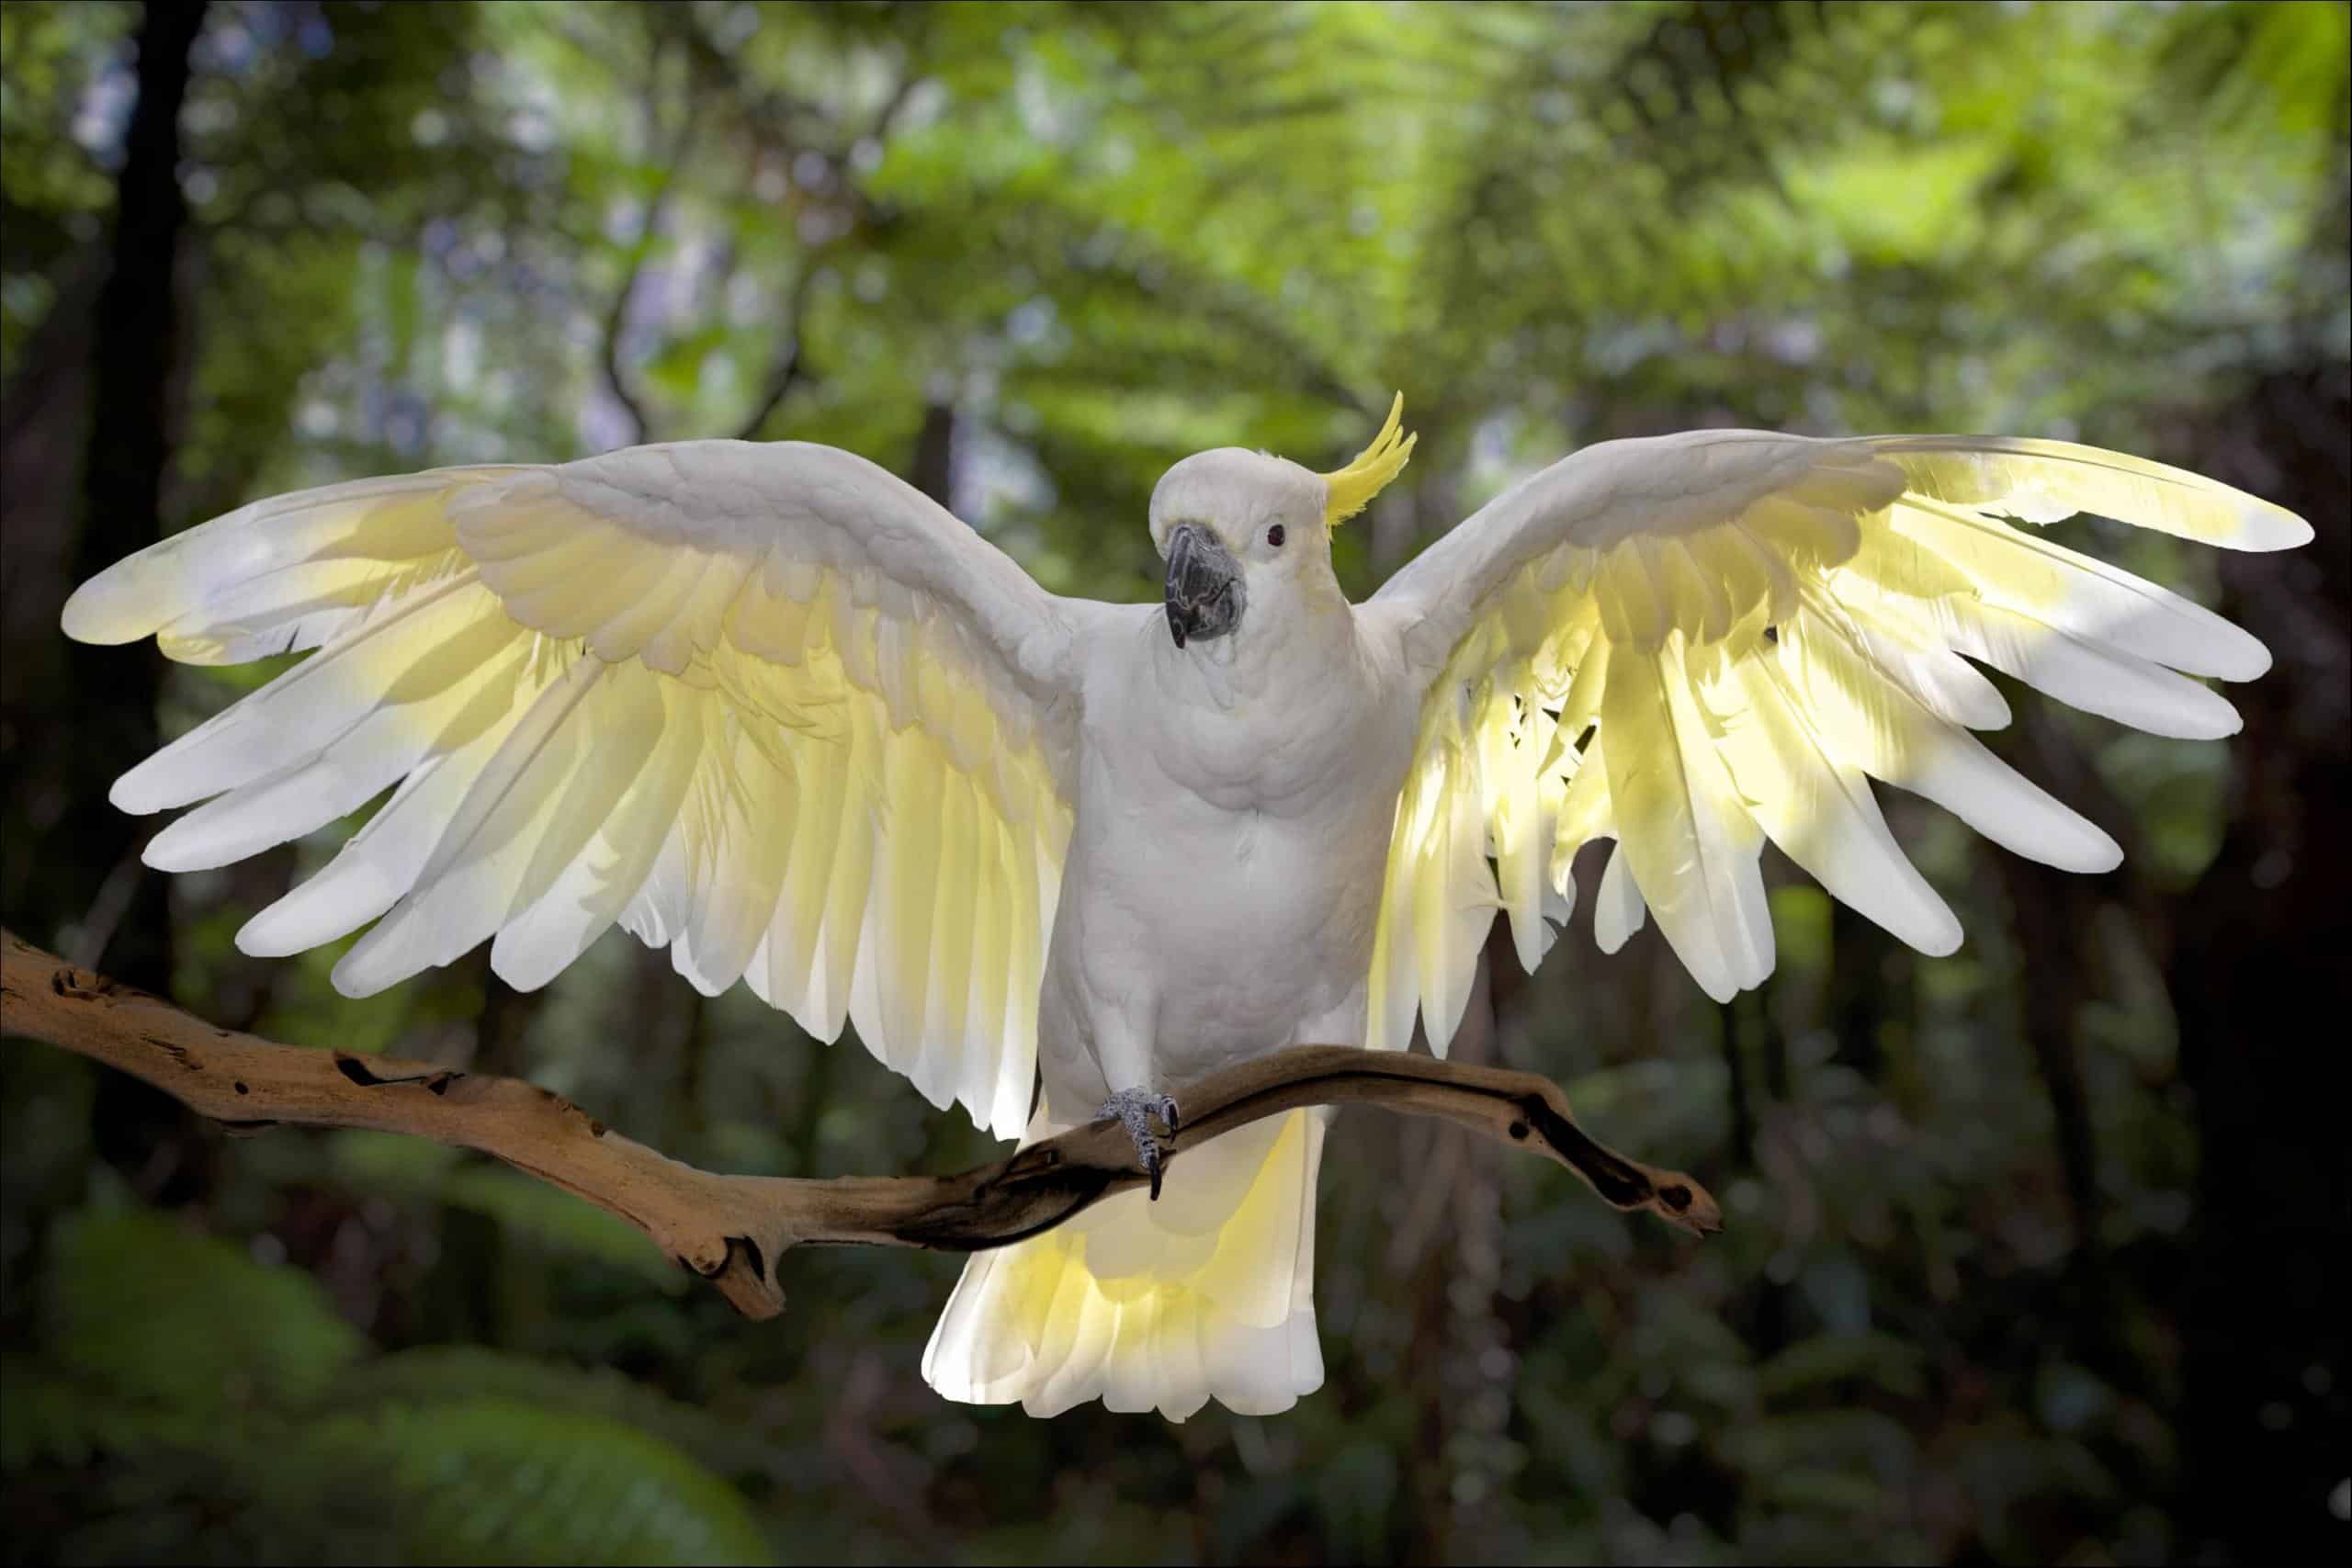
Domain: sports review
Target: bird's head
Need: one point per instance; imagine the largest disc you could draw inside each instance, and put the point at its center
(1235, 525)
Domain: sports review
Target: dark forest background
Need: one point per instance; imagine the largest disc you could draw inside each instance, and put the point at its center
(2036, 1254)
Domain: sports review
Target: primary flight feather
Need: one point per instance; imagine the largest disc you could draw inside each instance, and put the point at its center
(775, 710)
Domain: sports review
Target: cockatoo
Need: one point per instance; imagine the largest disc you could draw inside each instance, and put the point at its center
(772, 708)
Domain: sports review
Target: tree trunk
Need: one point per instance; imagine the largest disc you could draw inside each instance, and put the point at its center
(136, 334)
(87, 870)
(933, 469)
(2262, 990)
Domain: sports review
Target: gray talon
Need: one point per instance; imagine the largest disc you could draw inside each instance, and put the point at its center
(1133, 1108)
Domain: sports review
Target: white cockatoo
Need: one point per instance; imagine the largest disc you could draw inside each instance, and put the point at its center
(771, 707)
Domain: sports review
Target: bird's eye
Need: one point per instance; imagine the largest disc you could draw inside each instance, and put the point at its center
(1274, 535)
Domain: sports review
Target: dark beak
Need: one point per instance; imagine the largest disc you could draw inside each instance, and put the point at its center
(1204, 597)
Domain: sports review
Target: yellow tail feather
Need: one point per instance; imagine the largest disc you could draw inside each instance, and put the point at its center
(1205, 1294)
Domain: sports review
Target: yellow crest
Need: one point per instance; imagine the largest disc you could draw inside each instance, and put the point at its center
(1352, 488)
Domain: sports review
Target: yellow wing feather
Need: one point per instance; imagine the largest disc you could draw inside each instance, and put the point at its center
(717, 730)
(1726, 635)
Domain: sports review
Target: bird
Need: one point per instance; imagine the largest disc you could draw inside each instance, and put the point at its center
(773, 709)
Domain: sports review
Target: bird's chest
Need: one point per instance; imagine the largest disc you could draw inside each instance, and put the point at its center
(1265, 791)
(1288, 734)
(1226, 866)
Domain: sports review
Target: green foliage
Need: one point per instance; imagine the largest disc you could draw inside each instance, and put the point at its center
(480, 1479)
(392, 1166)
(155, 1312)
(53, 190)
(229, 1408)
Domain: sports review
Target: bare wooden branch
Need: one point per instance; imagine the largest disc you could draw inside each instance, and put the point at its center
(732, 1230)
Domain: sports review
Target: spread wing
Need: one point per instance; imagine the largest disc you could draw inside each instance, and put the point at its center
(765, 704)
(1694, 643)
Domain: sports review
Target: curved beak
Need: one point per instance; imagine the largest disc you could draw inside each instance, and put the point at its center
(1205, 598)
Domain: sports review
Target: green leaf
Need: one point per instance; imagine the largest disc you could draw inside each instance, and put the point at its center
(429, 1374)
(1828, 1360)
(492, 1479)
(142, 1304)
(390, 1163)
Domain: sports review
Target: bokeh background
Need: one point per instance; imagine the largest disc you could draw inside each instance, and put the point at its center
(2036, 1254)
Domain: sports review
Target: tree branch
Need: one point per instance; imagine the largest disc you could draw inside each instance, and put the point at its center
(732, 1230)
(656, 212)
(791, 366)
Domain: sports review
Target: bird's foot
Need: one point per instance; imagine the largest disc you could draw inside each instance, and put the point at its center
(1133, 1108)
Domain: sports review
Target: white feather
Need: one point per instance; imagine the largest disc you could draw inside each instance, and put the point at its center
(1878, 564)
(1617, 909)
(566, 674)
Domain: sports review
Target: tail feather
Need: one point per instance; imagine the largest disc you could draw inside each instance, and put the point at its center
(1207, 1293)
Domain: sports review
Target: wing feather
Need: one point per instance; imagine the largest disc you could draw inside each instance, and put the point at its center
(1727, 634)
(1618, 911)
(1687, 838)
(765, 705)
(592, 890)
